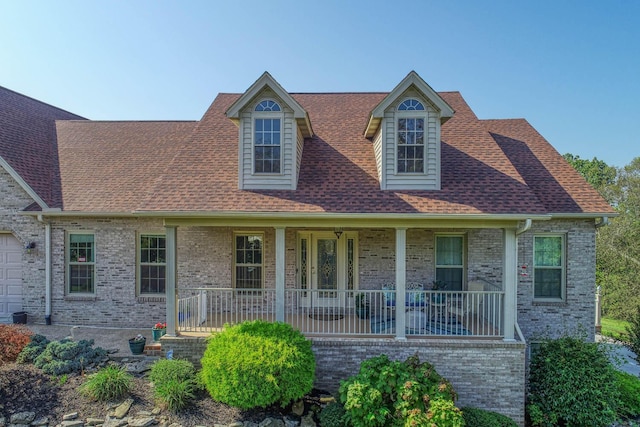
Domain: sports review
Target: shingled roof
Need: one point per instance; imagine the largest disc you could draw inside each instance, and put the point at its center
(28, 143)
(488, 166)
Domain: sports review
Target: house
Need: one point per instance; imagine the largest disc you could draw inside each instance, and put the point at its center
(466, 239)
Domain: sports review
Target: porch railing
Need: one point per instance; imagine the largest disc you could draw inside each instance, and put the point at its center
(342, 312)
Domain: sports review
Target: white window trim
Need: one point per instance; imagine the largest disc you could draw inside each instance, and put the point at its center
(563, 277)
(266, 115)
(68, 263)
(139, 264)
(464, 257)
(411, 114)
(235, 264)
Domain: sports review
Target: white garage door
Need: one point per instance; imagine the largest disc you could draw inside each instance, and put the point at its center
(10, 276)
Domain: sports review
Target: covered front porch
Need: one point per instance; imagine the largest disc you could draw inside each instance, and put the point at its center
(382, 299)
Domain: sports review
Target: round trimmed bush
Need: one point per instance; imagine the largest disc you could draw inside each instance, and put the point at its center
(256, 364)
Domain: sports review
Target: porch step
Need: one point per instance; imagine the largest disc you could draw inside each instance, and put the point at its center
(154, 349)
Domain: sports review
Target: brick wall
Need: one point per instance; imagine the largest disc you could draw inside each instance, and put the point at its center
(485, 374)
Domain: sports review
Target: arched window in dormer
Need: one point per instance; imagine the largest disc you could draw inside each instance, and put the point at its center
(410, 142)
(268, 105)
(411, 105)
(267, 137)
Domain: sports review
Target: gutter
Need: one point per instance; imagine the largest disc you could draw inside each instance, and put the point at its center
(47, 269)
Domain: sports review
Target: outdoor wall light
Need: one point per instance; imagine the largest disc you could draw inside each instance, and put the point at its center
(337, 232)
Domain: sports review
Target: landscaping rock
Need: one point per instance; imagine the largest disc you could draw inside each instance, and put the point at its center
(298, 408)
(71, 416)
(141, 421)
(308, 421)
(94, 421)
(42, 421)
(72, 423)
(122, 409)
(22, 418)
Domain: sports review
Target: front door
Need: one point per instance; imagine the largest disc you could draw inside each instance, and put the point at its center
(325, 270)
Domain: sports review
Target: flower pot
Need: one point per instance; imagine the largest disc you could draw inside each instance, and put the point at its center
(20, 317)
(158, 333)
(137, 346)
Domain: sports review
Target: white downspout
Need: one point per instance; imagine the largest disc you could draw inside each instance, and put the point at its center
(605, 221)
(525, 227)
(47, 270)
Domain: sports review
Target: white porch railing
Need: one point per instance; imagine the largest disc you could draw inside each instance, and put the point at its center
(359, 313)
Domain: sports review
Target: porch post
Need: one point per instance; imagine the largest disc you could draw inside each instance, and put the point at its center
(401, 277)
(510, 282)
(171, 282)
(280, 274)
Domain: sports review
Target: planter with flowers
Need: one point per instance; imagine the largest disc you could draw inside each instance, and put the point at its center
(137, 343)
(158, 330)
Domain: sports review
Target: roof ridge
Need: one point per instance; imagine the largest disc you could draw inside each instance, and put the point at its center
(43, 103)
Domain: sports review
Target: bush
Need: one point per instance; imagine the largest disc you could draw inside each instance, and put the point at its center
(175, 382)
(409, 393)
(333, 415)
(572, 383)
(108, 383)
(475, 417)
(13, 338)
(34, 349)
(629, 386)
(633, 334)
(256, 364)
(67, 356)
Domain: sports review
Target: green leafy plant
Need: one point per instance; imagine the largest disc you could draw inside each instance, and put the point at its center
(629, 386)
(109, 383)
(67, 356)
(475, 417)
(393, 393)
(256, 364)
(633, 334)
(175, 383)
(572, 383)
(13, 338)
(333, 415)
(32, 350)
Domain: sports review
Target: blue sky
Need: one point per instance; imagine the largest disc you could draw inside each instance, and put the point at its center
(572, 68)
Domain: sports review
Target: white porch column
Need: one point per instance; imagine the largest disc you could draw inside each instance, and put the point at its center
(171, 280)
(280, 274)
(510, 282)
(401, 279)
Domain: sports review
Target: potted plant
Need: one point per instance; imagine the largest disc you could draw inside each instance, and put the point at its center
(137, 343)
(362, 305)
(158, 330)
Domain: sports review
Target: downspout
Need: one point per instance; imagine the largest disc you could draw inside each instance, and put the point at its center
(47, 270)
(524, 228)
(605, 221)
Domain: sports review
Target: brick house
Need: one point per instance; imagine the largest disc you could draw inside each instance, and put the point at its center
(392, 223)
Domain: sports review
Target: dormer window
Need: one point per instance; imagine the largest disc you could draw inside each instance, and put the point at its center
(411, 118)
(267, 137)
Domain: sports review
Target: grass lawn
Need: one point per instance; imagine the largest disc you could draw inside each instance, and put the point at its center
(614, 328)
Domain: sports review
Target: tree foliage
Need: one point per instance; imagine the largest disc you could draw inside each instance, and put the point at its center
(617, 247)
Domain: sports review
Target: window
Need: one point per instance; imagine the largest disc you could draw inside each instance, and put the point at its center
(548, 266)
(248, 261)
(152, 263)
(411, 137)
(81, 267)
(450, 261)
(267, 138)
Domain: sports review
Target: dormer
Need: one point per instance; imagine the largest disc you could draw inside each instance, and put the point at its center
(272, 127)
(405, 130)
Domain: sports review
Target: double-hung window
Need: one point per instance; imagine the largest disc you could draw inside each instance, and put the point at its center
(152, 264)
(450, 265)
(267, 137)
(248, 261)
(410, 147)
(548, 266)
(81, 263)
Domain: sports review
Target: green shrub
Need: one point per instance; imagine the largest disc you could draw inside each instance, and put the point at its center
(633, 334)
(108, 383)
(175, 383)
(393, 393)
(333, 415)
(475, 417)
(629, 386)
(572, 383)
(13, 338)
(32, 350)
(67, 356)
(256, 364)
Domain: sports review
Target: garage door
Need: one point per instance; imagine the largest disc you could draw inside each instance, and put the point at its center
(10, 276)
